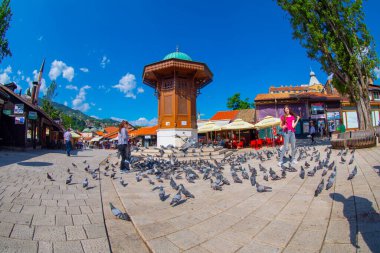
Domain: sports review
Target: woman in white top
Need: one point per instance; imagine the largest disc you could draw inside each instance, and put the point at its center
(312, 132)
(122, 146)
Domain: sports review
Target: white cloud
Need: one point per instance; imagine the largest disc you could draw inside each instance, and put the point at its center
(140, 90)
(104, 61)
(95, 117)
(59, 67)
(126, 85)
(117, 119)
(99, 109)
(92, 104)
(40, 38)
(65, 103)
(85, 70)
(377, 72)
(79, 101)
(71, 87)
(29, 80)
(101, 87)
(144, 122)
(19, 72)
(4, 76)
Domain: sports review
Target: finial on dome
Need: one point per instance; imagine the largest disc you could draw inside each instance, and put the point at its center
(177, 48)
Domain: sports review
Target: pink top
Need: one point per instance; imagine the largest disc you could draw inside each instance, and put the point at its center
(288, 123)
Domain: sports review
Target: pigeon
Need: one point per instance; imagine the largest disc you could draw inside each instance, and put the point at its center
(138, 177)
(319, 188)
(113, 174)
(173, 184)
(353, 151)
(244, 174)
(119, 214)
(342, 160)
(85, 183)
(312, 172)
(186, 192)
(253, 180)
(49, 177)
(68, 170)
(265, 177)
(124, 184)
(351, 160)
(307, 165)
(150, 181)
(85, 161)
(262, 188)
(215, 186)
(283, 174)
(330, 182)
(237, 179)
(176, 199)
(352, 174)
(74, 165)
(68, 180)
(274, 176)
(161, 193)
(324, 172)
(331, 166)
(302, 173)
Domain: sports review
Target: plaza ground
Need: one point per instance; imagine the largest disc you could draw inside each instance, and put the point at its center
(39, 215)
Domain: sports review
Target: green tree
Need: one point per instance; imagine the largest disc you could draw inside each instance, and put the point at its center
(5, 18)
(47, 104)
(334, 33)
(236, 103)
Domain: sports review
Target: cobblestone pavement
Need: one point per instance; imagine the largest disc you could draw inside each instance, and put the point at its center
(344, 218)
(39, 215)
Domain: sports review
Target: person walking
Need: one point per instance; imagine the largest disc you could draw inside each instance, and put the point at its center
(331, 130)
(312, 132)
(288, 123)
(122, 146)
(341, 128)
(67, 137)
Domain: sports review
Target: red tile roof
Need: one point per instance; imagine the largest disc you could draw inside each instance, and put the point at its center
(225, 115)
(111, 129)
(151, 130)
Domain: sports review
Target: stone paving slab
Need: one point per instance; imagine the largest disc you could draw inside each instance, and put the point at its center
(39, 215)
(238, 219)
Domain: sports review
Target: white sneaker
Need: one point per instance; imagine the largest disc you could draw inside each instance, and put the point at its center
(280, 164)
(294, 162)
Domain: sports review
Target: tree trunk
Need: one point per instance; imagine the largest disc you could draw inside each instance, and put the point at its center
(363, 108)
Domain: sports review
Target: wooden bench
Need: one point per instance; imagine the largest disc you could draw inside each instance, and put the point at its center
(354, 139)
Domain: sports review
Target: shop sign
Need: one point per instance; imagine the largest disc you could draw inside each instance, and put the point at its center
(147, 137)
(7, 112)
(318, 116)
(19, 109)
(19, 120)
(32, 115)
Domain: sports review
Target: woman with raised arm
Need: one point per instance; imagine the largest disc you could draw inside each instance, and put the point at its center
(288, 124)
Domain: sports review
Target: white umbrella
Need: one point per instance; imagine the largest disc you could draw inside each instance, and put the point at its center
(208, 127)
(267, 122)
(238, 124)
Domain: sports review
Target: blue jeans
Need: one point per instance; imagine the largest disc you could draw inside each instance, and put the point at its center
(288, 137)
(68, 147)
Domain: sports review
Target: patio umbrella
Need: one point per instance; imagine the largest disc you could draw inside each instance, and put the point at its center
(74, 135)
(208, 127)
(238, 124)
(267, 122)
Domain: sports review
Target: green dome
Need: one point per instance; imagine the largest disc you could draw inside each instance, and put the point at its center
(178, 55)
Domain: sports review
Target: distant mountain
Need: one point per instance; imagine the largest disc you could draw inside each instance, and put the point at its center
(80, 116)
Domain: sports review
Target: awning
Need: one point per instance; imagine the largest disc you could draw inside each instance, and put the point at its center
(96, 139)
(208, 127)
(268, 121)
(238, 124)
(74, 135)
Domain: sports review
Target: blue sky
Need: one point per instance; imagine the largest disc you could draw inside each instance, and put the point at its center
(96, 50)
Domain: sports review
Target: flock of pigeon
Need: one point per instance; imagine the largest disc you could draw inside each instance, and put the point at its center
(157, 170)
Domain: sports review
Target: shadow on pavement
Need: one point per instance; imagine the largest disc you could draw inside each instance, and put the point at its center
(362, 218)
(35, 164)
